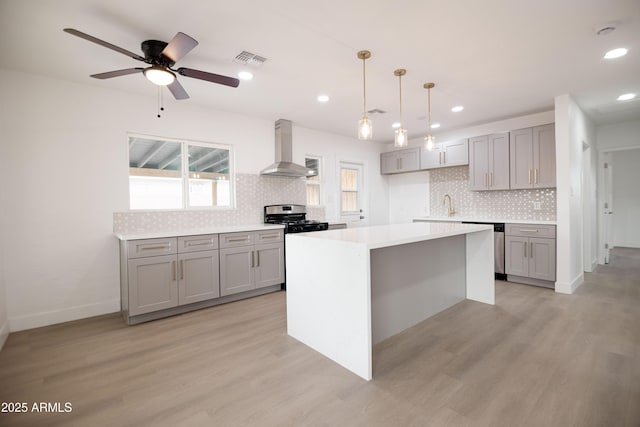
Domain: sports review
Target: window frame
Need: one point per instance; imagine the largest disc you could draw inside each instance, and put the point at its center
(184, 172)
(317, 183)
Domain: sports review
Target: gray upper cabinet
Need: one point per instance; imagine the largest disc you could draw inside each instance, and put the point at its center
(406, 160)
(489, 162)
(533, 157)
(445, 154)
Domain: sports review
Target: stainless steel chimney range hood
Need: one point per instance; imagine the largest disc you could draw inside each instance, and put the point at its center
(284, 165)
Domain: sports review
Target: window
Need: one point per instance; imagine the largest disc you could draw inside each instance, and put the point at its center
(313, 182)
(174, 174)
(350, 183)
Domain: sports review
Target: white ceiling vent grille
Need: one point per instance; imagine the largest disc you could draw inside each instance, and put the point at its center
(376, 111)
(248, 58)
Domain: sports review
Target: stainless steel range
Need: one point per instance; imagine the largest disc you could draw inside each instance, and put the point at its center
(293, 217)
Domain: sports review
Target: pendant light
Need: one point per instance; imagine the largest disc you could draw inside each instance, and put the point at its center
(400, 139)
(428, 140)
(365, 127)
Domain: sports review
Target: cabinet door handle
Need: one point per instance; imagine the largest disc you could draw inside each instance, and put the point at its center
(535, 176)
(531, 251)
(485, 179)
(173, 270)
(202, 243)
(527, 230)
(241, 239)
(525, 249)
(444, 157)
(150, 248)
(529, 175)
(400, 159)
(257, 258)
(181, 269)
(490, 179)
(270, 236)
(252, 259)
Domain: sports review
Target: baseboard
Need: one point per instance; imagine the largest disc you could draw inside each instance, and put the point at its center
(4, 333)
(38, 320)
(569, 288)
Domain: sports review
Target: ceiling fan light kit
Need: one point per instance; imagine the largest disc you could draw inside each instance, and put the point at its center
(159, 75)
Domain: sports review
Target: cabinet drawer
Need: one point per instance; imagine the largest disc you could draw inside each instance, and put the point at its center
(531, 230)
(232, 240)
(151, 247)
(202, 242)
(269, 236)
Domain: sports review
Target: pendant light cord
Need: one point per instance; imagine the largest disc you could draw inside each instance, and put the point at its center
(429, 107)
(400, 80)
(364, 88)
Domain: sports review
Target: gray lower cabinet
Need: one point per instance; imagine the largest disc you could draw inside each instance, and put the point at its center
(530, 254)
(246, 263)
(165, 273)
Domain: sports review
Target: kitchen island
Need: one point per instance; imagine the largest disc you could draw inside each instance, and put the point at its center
(350, 289)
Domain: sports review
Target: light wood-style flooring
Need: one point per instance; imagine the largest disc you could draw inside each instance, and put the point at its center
(536, 358)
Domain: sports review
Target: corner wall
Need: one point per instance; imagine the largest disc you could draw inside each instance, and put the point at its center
(573, 130)
(4, 320)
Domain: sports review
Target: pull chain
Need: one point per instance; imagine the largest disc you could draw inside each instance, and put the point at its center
(160, 101)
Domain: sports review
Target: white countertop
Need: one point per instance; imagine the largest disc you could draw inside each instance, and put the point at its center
(381, 236)
(197, 231)
(480, 219)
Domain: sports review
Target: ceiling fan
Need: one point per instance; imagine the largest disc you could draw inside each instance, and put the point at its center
(161, 57)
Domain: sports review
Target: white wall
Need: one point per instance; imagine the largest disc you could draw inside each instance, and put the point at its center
(67, 172)
(408, 196)
(626, 198)
(333, 149)
(618, 135)
(573, 130)
(4, 320)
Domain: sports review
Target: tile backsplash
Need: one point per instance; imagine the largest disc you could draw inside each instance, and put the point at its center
(502, 204)
(253, 192)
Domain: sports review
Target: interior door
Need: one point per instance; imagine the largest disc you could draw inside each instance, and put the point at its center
(607, 207)
(351, 180)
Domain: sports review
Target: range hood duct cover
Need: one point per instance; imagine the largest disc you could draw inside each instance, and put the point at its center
(284, 165)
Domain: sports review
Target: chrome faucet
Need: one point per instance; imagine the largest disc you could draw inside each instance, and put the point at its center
(451, 211)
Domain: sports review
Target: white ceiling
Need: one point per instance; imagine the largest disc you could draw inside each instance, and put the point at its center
(498, 58)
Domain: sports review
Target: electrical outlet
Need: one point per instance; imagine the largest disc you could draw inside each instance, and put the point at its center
(537, 206)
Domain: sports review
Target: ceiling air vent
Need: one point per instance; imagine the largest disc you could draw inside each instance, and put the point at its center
(376, 111)
(248, 58)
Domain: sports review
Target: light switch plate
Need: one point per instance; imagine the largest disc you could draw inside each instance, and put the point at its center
(537, 206)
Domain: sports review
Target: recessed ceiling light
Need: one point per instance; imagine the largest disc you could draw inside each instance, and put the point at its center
(626, 96)
(435, 126)
(396, 125)
(616, 53)
(245, 75)
(323, 98)
(457, 108)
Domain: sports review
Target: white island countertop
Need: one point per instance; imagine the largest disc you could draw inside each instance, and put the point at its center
(480, 219)
(197, 231)
(382, 236)
(349, 289)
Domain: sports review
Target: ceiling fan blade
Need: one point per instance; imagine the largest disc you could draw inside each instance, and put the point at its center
(210, 77)
(177, 90)
(103, 43)
(179, 46)
(117, 73)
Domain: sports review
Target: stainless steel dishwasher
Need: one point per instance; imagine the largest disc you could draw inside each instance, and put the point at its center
(498, 247)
